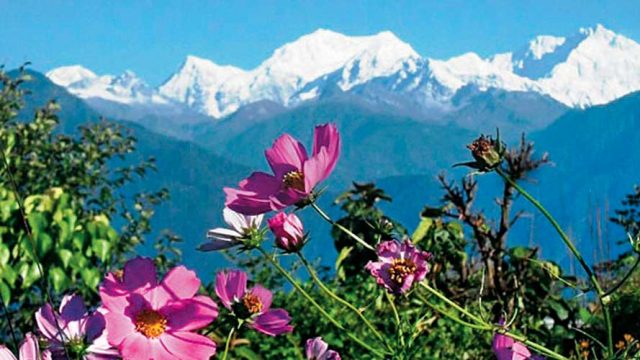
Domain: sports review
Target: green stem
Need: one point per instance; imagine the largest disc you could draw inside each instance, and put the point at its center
(625, 278)
(342, 301)
(324, 313)
(228, 343)
(396, 315)
(592, 276)
(539, 348)
(339, 226)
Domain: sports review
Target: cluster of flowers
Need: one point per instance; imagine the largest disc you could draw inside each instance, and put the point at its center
(143, 318)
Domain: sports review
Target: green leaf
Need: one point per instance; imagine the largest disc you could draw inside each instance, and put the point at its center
(59, 279)
(102, 249)
(5, 293)
(29, 273)
(65, 256)
(422, 229)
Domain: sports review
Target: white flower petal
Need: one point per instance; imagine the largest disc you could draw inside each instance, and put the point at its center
(237, 221)
(223, 234)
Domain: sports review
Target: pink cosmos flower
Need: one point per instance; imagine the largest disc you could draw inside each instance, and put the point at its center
(29, 350)
(295, 173)
(399, 265)
(506, 348)
(81, 332)
(147, 319)
(288, 231)
(253, 305)
(316, 349)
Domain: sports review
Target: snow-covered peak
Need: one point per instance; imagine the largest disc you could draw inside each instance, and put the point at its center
(197, 81)
(126, 88)
(602, 66)
(542, 45)
(325, 51)
(67, 75)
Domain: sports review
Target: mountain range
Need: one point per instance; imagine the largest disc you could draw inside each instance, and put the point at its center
(591, 67)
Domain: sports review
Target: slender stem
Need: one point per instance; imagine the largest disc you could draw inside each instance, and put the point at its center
(34, 250)
(539, 348)
(339, 226)
(592, 276)
(342, 301)
(625, 278)
(396, 315)
(228, 343)
(7, 316)
(322, 311)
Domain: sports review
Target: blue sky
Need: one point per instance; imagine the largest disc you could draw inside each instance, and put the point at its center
(152, 38)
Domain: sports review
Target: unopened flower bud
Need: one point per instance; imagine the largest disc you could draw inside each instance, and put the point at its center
(288, 231)
(487, 152)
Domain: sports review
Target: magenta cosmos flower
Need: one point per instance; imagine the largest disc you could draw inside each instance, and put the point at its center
(506, 348)
(316, 349)
(295, 174)
(253, 305)
(29, 350)
(399, 265)
(288, 231)
(147, 319)
(81, 332)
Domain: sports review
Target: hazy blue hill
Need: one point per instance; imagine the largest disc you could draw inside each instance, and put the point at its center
(511, 111)
(194, 176)
(375, 144)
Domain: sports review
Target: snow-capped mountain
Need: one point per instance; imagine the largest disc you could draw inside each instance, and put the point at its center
(221, 90)
(126, 88)
(592, 67)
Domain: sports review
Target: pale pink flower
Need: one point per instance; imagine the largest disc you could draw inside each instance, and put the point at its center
(506, 348)
(295, 174)
(251, 305)
(147, 319)
(317, 349)
(29, 350)
(74, 326)
(288, 231)
(399, 265)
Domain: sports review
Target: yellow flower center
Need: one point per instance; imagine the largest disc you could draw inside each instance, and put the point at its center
(150, 323)
(294, 180)
(252, 303)
(400, 269)
(119, 275)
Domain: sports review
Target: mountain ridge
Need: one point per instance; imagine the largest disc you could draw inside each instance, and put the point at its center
(591, 67)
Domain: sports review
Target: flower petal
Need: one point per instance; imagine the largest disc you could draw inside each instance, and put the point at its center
(138, 347)
(273, 322)
(264, 295)
(223, 234)
(190, 314)
(46, 320)
(6, 354)
(231, 286)
(237, 221)
(178, 283)
(119, 327)
(285, 155)
(315, 348)
(30, 349)
(217, 244)
(253, 195)
(186, 345)
(72, 308)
